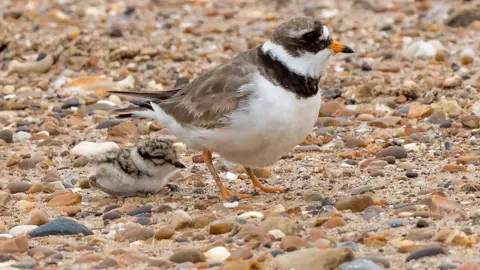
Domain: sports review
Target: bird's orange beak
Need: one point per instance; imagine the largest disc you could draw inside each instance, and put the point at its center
(338, 47)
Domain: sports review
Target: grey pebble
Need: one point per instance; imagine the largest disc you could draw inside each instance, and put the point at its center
(60, 226)
(425, 252)
(360, 264)
(350, 244)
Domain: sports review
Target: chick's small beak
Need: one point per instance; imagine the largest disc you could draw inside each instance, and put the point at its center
(338, 47)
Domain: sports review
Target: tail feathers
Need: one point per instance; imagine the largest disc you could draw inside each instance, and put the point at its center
(143, 108)
(162, 95)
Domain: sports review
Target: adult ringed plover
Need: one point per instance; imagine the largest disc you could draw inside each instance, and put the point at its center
(253, 108)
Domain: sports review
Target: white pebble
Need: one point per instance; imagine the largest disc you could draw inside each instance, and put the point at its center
(277, 234)
(90, 149)
(419, 49)
(217, 254)
(467, 52)
(231, 176)
(180, 218)
(230, 205)
(22, 136)
(251, 214)
(21, 229)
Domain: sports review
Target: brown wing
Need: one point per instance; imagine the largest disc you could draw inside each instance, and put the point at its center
(206, 101)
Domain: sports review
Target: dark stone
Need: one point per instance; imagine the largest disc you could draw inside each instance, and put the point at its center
(425, 252)
(60, 226)
(116, 33)
(366, 67)
(112, 215)
(140, 210)
(422, 223)
(411, 174)
(6, 135)
(72, 102)
(108, 124)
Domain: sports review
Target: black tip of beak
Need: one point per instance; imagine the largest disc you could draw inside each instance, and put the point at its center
(179, 165)
(347, 49)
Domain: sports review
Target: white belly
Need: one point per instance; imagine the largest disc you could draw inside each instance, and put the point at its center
(272, 124)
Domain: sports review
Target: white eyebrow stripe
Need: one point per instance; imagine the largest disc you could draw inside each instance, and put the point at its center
(325, 33)
(294, 33)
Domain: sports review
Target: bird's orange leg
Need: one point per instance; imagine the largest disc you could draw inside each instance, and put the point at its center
(224, 192)
(258, 186)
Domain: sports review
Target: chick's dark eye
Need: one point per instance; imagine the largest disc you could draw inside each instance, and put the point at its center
(311, 37)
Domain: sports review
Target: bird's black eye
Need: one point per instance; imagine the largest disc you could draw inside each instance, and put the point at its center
(311, 36)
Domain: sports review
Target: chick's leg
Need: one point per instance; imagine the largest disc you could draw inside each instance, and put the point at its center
(258, 186)
(224, 192)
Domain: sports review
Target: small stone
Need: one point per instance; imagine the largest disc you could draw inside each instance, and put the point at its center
(25, 264)
(166, 232)
(146, 209)
(236, 265)
(40, 252)
(13, 160)
(470, 121)
(425, 252)
(407, 165)
(188, 255)
(66, 199)
(390, 159)
(334, 222)
(292, 243)
(360, 264)
(88, 258)
(467, 56)
(395, 223)
(202, 221)
(21, 229)
(283, 224)
(81, 162)
(180, 219)
(116, 33)
(453, 168)
(313, 197)
(134, 232)
(90, 149)
(36, 188)
(18, 187)
(221, 226)
(395, 151)
(14, 245)
(356, 203)
(307, 258)
(378, 164)
(112, 215)
(217, 254)
(38, 217)
(6, 135)
(422, 223)
(411, 174)
(350, 244)
(452, 82)
(366, 67)
(60, 226)
(27, 164)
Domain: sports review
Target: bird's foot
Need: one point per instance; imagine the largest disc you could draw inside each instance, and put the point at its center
(230, 196)
(265, 189)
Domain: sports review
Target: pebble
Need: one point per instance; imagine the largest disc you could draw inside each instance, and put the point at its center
(292, 243)
(447, 266)
(146, 209)
(425, 252)
(38, 217)
(81, 162)
(6, 135)
(112, 215)
(180, 219)
(90, 149)
(21, 229)
(467, 55)
(395, 223)
(15, 245)
(354, 203)
(350, 244)
(188, 255)
(360, 264)
(25, 264)
(65, 199)
(221, 226)
(18, 187)
(422, 223)
(60, 226)
(217, 254)
(305, 258)
(133, 232)
(411, 174)
(395, 151)
(166, 232)
(22, 136)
